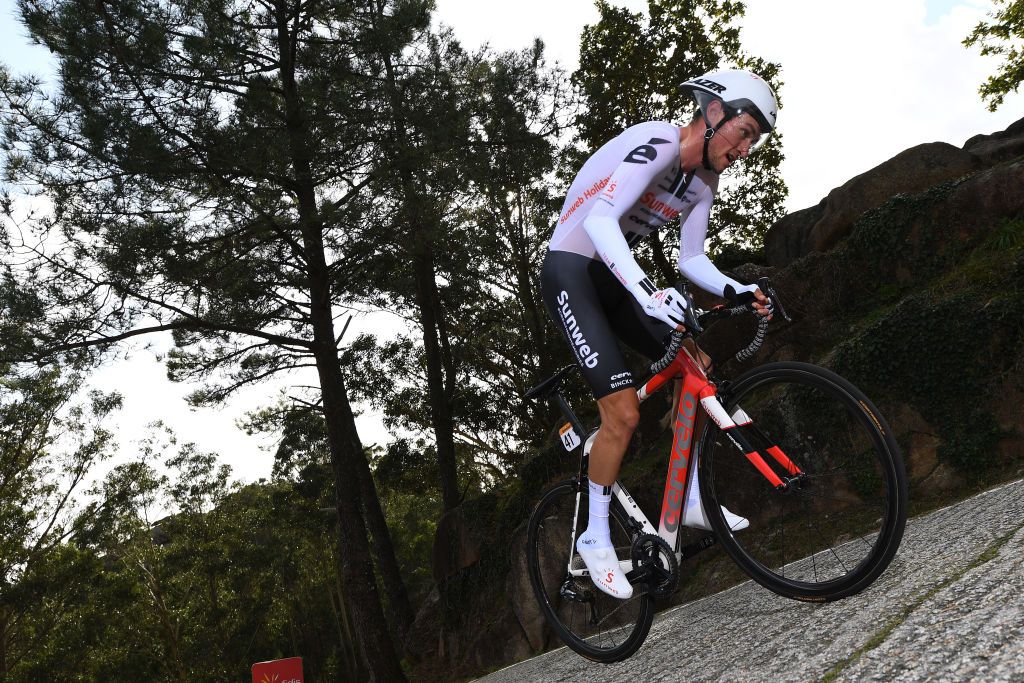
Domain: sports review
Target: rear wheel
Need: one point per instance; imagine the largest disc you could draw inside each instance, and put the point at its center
(596, 625)
(838, 524)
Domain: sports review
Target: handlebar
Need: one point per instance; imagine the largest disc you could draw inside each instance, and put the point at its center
(741, 304)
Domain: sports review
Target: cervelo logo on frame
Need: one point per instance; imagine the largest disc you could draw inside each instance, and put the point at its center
(677, 467)
(572, 329)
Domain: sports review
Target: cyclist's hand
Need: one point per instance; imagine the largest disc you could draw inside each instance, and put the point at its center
(668, 306)
(762, 305)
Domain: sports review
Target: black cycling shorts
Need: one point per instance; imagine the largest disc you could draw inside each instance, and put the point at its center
(593, 309)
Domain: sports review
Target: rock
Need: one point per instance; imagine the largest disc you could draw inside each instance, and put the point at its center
(424, 640)
(787, 239)
(998, 147)
(913, 170)
(922, 457)
(519, 590)
(455, 546)
(984, 200)
(919, 441)
(943, 479)
(819, 227)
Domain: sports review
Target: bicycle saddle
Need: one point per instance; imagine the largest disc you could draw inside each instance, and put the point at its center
(550, 384)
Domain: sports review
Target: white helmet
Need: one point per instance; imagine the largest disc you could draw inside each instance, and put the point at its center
(741, 92)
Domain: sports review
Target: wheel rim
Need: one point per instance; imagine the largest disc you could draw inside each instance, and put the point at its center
(835, 524)
(573, 604)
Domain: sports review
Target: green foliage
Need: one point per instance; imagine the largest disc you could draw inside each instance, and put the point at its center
(50, 437)
(412, 517)
(1001, 35)
(1009, 236)
(731, 254)
(131, 600)
(630, 70)
(945, 345)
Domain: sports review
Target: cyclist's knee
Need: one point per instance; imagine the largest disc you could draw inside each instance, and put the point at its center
(620, 416)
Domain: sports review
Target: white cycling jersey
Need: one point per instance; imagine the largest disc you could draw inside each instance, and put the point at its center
(632, 186)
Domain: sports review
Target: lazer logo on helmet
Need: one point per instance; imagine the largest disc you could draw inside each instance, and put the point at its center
(586, 355)
(709, 84)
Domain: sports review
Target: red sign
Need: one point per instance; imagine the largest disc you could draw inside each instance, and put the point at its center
(278, 671)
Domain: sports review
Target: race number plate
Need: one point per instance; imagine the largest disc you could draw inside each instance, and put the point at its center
(570, 439)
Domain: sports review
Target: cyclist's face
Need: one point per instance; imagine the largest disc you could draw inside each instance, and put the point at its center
(733, 140)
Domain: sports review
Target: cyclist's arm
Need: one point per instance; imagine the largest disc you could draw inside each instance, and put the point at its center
(625, 185)
(694, 263)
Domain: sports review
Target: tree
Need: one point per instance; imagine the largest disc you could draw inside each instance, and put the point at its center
(130, 597)
(630, 70)
(48, 443)
(461, 183)
(204, 161)
(1003, 35)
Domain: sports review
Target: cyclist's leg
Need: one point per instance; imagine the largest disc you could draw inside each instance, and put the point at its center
(647, 335)
(620, 413)
(573, 300)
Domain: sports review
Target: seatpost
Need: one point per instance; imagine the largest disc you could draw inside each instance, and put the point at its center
(563, 405)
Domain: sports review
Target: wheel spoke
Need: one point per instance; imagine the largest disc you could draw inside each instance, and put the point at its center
(602, 627)
(821, 536)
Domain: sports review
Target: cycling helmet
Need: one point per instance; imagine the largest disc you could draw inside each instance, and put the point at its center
(741, 92)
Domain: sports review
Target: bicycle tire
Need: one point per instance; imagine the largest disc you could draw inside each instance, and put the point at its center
(549, 543)
(845, 519)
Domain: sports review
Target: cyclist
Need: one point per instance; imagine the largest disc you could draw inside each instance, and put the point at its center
(640, 181)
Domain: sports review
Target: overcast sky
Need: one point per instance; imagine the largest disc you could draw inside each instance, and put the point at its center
(863, 81)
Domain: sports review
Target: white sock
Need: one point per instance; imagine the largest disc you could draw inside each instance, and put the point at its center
(597, 522)
(595, 547)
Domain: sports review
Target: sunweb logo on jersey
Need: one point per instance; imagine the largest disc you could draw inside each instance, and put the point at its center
(586, 355)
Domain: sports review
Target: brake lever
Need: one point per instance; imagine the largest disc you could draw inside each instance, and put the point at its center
(689, 315)
(766, 288)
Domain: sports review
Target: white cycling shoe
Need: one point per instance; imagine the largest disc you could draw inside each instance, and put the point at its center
(694, 514)
(604, 568)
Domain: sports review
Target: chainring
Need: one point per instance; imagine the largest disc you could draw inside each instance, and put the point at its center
(653, 553)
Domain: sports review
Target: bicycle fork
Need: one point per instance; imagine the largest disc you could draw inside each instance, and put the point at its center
(734, 427)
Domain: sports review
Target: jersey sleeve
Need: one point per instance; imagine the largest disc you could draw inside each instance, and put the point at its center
(693, 260)
(649, 157)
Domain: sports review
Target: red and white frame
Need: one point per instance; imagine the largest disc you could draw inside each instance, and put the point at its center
(681, 480)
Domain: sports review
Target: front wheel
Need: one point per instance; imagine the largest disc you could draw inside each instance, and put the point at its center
(595, 625)
(839, 520)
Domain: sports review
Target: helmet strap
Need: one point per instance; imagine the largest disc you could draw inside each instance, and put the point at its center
(709, 132)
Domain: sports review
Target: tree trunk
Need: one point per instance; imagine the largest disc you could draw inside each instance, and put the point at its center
(353, 549)
(356, 567)
(439, 387)
(399, 610)
(440, 395)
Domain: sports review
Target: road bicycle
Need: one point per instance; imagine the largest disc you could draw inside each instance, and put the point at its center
(799, 455)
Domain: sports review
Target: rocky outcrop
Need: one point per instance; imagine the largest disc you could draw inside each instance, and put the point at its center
(821, 227)
(456, 545)
(998, 147)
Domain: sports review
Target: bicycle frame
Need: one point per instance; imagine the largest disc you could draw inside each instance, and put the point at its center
(681, 481)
